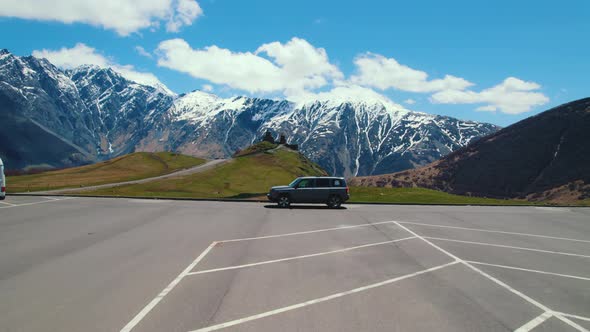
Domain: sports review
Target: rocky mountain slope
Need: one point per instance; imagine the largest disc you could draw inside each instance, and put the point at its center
(124, 112)
(55, 118)
(544, 157)
(91, 113)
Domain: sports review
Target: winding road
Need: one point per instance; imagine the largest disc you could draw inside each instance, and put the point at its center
(197, 169)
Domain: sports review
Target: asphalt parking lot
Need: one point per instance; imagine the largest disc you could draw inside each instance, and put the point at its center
(70, 264)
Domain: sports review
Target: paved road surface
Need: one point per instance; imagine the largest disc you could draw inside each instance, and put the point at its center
(197, 169)
(86, 264)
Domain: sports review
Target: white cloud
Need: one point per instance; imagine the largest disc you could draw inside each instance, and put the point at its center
(69, 58)
(383, 73)
(123, 16)
(273, 67)
(141, 51)
(297, 69)
(512, 96)
(488, 108)
(81, 54)
(207, 87)
(186, 12)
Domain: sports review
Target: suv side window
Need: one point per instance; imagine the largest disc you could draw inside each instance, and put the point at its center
(305, 183)
(339, 183)
(322, 183)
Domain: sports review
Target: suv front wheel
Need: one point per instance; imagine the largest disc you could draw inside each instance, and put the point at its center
(334, 201)
(284, 201)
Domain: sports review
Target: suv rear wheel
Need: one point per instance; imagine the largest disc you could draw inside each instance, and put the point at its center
(284, 201)
(334, 201)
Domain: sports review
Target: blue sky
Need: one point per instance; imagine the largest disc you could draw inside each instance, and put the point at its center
(509, 59)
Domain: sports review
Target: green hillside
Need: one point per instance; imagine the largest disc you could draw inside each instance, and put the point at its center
(249, 175)
(421, 196)
(133, 166)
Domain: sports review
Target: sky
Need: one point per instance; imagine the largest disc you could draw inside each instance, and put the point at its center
(491, 61)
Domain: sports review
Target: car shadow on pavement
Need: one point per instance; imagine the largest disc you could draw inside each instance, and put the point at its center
(304, 207)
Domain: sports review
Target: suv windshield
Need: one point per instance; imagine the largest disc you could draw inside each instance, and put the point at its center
(292, 184)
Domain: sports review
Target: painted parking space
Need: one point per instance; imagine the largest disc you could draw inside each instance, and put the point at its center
(138, 265)
(303, 273)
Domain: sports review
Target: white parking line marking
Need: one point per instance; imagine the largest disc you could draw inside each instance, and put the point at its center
(33, 203)
(569, 322)
(165, 291)
(535, 322)
(309, 232)
(529, 270)
(300, 257)
(319, 300)
(498, 282)
(504, 246)
(573, 316)
(9, 204)
(493, 231)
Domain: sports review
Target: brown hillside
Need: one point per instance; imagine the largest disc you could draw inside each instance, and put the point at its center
(544, 157)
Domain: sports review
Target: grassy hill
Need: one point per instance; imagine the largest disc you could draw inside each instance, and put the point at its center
(256, 148)
(422, 196)
(250, 174)
(133, 166)
(263, 165)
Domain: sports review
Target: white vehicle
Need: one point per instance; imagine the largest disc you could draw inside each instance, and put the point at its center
(2, 181)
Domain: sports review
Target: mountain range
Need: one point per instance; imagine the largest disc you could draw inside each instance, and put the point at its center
(545, 157)
(57, 118)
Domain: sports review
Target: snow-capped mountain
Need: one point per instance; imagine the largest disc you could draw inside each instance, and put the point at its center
(94, 113)
(357, 137)
(123, 111)
(56, 118)
(346, 137)
(44, 121)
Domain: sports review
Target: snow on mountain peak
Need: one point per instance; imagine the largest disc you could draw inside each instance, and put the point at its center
(4, 53)
(196, 99)
(161, 88)
(354, 95)
(116, 73)
(87, 68)
(199, 97)
(194, 105)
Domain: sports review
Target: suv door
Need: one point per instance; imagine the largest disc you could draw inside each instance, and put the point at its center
(323, 190)
(303, 192)
(339, 188)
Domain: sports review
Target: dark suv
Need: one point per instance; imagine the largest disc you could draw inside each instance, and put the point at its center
(329, 190)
